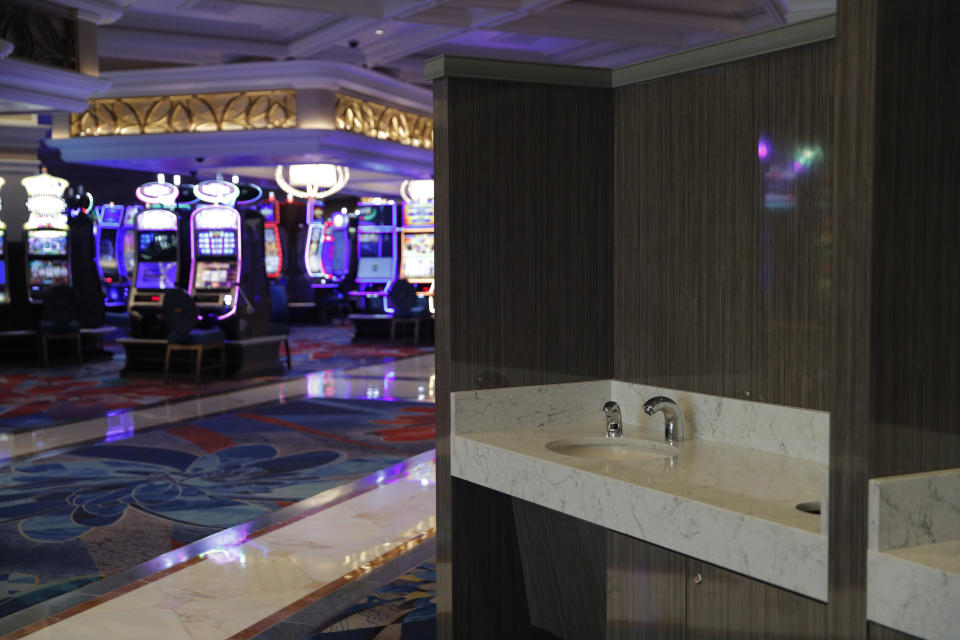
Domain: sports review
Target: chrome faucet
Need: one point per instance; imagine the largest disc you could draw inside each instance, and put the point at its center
(672, 417)
(614, 422)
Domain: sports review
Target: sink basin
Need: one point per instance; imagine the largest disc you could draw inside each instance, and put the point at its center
(613, 449)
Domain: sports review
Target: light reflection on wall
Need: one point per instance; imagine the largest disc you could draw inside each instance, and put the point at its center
(782, 169)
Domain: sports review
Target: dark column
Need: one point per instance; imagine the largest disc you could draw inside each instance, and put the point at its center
(897, 365)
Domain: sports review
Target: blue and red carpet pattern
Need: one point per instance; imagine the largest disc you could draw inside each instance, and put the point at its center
(33, 398)
(406, 609)
(76, 516)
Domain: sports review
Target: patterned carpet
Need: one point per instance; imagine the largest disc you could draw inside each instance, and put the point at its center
(76, 516)
(406, 609)
(31, 398)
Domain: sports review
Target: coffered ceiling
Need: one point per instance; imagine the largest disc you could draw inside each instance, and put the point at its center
(398, 36)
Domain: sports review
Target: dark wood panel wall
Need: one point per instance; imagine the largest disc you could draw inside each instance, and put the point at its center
(895, 405)
(723, 223)
(524, 193)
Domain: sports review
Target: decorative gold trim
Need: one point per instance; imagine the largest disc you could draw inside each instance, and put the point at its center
(383, 122)
(232, 111)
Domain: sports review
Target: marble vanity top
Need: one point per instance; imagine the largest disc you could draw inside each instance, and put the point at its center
(914, 540)
(726, 505)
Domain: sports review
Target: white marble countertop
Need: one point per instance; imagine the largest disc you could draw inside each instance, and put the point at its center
(913, 564)
(916, 590)
(727, 505)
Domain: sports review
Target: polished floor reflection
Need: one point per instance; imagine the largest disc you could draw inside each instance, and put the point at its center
(295, 419)
(410, 379)
(238, 588)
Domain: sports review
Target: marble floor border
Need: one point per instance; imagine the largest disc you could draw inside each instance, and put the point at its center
(322, 613)
(44, 614)
(21, 445)
(289, 619)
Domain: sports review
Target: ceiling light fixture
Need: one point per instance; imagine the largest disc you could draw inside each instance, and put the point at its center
(319, 180)
(416, 190)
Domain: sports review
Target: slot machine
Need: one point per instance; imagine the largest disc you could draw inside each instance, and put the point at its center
(313, 239)
(376, 253)
(4, 292)
(272, 240)
(215, 263)
(46, 235)
(155, 240)
(109, 252)
(416, 248)
(335, 250)
(127, 242)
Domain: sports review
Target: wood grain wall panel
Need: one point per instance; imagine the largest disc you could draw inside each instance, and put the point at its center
(898, 303)
(524, 259)
(725, 605)
(442, 354)
(850, 417)
(489, 600)
(646, 590)
(564, 569)
(722, 274)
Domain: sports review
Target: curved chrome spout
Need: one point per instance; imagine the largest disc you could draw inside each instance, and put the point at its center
(614, 422)
(672, 417)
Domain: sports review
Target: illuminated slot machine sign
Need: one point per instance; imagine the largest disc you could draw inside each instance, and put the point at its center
(376, 248)
(46, 234)
(311, 249)
(215, 249)
(109, 219)
(4, 296)
(272, 247)
(154, 242)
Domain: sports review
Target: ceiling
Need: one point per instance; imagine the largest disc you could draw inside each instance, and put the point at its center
(398, 36)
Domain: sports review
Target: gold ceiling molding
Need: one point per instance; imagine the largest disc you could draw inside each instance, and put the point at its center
(231, 111)
(383, 122)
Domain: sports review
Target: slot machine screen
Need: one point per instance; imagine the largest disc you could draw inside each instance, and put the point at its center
(156, 275)
(158, 246)
(418, 214)
(267, 212)
(376, 256)
(417, 256)
(271, 249)
(48, 273)
(129, 245)
(50, 243)
(111, 216)
(217, 242)
(340, 241)
(313, 250)
(2, 236)
(108, 253)
(3, 274)
(215, 275)
(375, 245)
(376, 215)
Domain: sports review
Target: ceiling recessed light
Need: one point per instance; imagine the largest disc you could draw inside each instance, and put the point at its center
(378, 32)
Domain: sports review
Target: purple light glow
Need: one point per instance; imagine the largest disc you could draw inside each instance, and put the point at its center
(763, 149)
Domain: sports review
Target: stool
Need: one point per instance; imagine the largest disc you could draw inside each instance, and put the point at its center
(199, 350)
(403, 323)
(73, 337)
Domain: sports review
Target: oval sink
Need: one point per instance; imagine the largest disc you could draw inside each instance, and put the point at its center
(613, 449)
